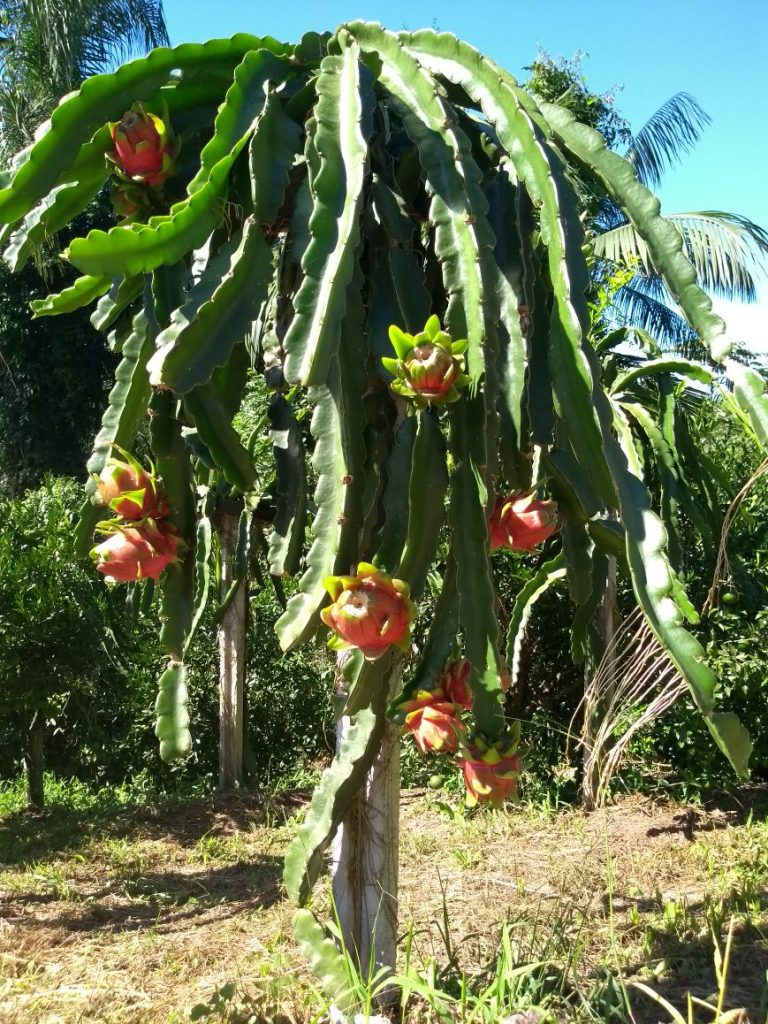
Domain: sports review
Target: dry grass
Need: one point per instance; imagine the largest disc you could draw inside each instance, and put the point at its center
(141, 919)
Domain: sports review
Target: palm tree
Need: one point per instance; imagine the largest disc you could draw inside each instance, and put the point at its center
(728, 250)
(47, 48)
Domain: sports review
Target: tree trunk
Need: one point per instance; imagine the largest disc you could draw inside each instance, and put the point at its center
(231, 640)
(606, 621)
(365, 861)
(34, 761)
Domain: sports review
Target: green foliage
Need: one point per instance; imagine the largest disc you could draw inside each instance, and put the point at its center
(53, 382)
(295, 262)
(46, 599)
(560, 80)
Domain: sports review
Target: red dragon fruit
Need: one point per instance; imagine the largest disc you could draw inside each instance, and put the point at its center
(454, 682)
(144, 149)
(370, 611)
(432, 721)
(136, 552)
(490, 771)
(130, 491)
(521, 522)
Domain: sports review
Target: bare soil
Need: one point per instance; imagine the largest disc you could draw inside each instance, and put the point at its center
(140, 917)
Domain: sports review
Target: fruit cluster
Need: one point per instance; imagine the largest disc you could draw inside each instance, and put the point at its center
(141, 542)
(433, 719)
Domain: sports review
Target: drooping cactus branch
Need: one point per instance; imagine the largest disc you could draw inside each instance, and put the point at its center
(322, 204)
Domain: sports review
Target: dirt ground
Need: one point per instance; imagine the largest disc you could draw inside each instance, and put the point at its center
(140, 917)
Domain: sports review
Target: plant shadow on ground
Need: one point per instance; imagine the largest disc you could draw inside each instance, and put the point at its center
(170, 900)
(182, 896)
(31, 837)
(689, 968)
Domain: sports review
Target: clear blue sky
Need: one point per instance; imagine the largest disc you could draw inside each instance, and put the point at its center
(718, 51)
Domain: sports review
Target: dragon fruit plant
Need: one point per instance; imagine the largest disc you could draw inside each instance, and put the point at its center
(322, 202)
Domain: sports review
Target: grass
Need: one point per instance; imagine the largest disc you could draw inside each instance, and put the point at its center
(122, 907)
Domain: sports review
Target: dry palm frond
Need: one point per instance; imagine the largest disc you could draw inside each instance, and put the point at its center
(632, 686)
(722, 568)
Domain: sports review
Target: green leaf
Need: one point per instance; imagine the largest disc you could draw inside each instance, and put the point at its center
(397, 475)
(426, 503)
(332, 796)
(213, 423)
(122, 293)
(79, 294)
(326, 960)
(177, 584)
(684, 367)
(128, 399)
(275, 142)
(549, 573)
(139, 248)
(577, 549)
(477, 599)
(665, 243)
(337, 135)
(57, 210)
(583, 633)
(441, 641)
(570, 485)
(512, 356)
(203, 541)
(288, 528)
(750, 392)
(540, 169)
(240, 562)
(338, 460)
(398, 295)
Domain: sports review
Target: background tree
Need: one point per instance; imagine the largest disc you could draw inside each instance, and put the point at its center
(52, 618)
(49, 47)
(728, 250)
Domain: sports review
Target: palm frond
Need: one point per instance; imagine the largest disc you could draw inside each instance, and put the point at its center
(726, 249)
(50, 46)
(117, 30)
(673, 130)
(633, 685)
(672, 333)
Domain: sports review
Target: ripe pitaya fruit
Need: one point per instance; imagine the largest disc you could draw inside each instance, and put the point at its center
(454, 682)
(370, 611)
(521, 522)
(490, 771)
(131, 491)
(144, 149)
(432, 721)
(137, 552)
